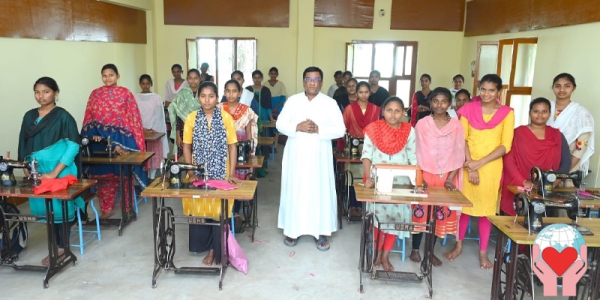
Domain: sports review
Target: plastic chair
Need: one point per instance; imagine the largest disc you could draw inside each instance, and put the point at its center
(80, 229)
(402, 246)
(595, 213)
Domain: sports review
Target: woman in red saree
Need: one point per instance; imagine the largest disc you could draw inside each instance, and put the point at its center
(357, 116)
(113, 112)
(534, 145)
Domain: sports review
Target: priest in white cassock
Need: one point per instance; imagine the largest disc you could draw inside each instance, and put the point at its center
(308, 204)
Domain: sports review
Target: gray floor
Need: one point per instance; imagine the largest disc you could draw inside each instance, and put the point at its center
(121, 267)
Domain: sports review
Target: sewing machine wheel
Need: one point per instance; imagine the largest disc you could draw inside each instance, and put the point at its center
(521, 204)
(536, 176)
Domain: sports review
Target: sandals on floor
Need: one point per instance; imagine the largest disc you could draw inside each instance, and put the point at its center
(321, 243)
(290, 242)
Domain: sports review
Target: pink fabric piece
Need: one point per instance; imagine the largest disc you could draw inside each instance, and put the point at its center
(217, 184)
(236, 255)
(440, 151)
(473, 112)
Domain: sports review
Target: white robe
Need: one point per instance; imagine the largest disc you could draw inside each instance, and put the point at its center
(308, 204)
(246, 97)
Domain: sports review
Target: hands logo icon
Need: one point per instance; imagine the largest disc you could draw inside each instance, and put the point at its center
(559, 251)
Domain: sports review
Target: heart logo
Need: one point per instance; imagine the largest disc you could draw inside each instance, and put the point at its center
(559, 262)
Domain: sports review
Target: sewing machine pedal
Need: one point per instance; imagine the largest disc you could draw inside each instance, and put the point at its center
(397, 276)
(198, 270)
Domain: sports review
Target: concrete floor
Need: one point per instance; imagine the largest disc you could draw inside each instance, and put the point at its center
(121, 267)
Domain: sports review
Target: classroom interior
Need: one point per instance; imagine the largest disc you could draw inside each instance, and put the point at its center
(70, 41)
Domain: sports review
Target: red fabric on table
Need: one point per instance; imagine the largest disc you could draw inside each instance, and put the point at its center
(54, 185)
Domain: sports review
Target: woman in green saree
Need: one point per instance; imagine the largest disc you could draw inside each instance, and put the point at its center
(184, 103)
(49, 134)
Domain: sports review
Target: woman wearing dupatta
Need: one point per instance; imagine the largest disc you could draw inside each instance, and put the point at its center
(209, 137)
(173, 86)
(420, 101)
(489, 128)
(113, 112)
(357, 116)
(245, 128)
(261, 105)
(574, 121)
(389, 141)
(49, 135)
(534, 145)
(441, 155)
(185, 103)
(278, 92)
(151, 110)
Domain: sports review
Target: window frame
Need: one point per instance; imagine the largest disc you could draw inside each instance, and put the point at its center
(216, 69)
(392, 88)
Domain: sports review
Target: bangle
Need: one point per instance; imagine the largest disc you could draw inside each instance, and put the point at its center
(524, 182)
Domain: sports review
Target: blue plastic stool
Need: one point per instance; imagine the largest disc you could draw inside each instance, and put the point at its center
(80, 229)
(403, 247)
(469, 238)
(595, 213)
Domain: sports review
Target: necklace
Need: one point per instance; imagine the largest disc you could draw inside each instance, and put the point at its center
(491, 110)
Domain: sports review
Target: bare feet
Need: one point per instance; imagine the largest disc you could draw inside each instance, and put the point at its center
(385, 261)
(209, 259)
(46, 260)
(108, 214)
(378, 260)
(455, 252)
(484, 262)
(415, 256)
(436, 261)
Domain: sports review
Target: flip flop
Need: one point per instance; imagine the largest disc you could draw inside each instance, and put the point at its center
(291, 243)
(320, 242)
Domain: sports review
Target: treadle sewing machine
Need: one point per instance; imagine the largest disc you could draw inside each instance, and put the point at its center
(177, 170)
(164, 219)
(385, 192)
(534, 206)
(353, 145)
(244, 149)
(7, 167)
(383, 175)
(86, 147)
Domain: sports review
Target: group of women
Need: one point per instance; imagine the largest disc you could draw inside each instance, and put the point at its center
(479, 152)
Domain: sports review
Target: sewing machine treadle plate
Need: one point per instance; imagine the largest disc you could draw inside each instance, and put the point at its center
(583, 230)
(198, 270)
(397, 276)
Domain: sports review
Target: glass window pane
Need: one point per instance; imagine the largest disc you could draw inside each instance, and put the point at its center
(520, 104)
(403, 91)
(488, 60)
(225, 59)
(246, 59)
(525, 64)
(384, 59)
(207, 54)
(408, 62)
(506, 66)
(350, 57)
(399, 63)
(384, 84)
(363, 54)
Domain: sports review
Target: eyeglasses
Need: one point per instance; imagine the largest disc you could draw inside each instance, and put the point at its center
(308, 80)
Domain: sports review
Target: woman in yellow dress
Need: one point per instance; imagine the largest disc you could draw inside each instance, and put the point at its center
(489, 128)
(209, 136)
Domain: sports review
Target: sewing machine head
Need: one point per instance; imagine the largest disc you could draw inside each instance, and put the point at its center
(86, 147)
(6, 171)
(177, 172)
(244, 149)
(543, 181)
(534, 209)
(383, 175)
(353, 145)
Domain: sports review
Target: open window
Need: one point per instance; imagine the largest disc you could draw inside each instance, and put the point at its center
(223, 55)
